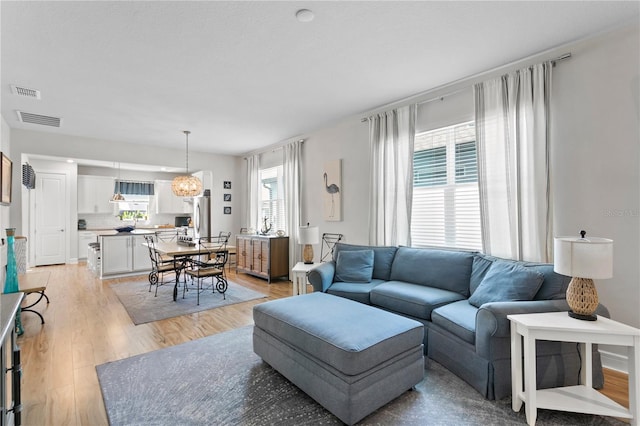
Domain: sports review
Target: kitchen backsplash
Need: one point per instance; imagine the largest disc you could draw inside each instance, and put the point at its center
(108, 221)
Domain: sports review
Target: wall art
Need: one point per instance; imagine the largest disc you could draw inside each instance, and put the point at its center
(332, 191)
(6, 167)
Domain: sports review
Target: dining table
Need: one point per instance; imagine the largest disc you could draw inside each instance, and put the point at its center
(183, 252)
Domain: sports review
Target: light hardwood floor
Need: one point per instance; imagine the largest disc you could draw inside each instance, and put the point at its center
(86, 325)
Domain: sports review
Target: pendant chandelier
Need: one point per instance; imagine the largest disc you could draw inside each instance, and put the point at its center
(117, 196)
(187, 185)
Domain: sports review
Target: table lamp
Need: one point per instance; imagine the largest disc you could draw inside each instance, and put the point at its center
(583, 259)
(307, 236)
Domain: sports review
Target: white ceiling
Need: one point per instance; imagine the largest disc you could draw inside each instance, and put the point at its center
(243, 75)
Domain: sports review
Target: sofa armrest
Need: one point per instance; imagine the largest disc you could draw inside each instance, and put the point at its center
(321, 277)
(492, 322)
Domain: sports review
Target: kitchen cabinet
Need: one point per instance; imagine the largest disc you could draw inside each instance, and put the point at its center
(166, 201)
(84, 238)
(123, 254)
(94, 193)
(262, 256)
(141, 259)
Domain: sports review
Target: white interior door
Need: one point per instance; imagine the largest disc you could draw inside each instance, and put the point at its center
(50, 218)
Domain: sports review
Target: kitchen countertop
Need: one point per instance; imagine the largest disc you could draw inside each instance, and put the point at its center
(113, 232)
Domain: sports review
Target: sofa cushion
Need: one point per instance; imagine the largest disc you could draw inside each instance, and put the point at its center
(382, 258)
(458, 318)
(479, 269)
(354, 291)
(354, 266)
(415, 300)
(507, 281)
(448, 270)
(554, 286)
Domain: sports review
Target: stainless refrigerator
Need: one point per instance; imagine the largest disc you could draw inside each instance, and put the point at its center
(202, 215)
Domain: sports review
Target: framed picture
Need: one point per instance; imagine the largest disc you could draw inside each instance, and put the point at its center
(5, 180)
(227, 210)
(227, 184)
(227, 197)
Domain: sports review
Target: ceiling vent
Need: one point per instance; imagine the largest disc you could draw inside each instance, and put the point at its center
(43, 120)
(26, 92)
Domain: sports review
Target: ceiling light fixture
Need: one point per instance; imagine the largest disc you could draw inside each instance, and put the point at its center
(305, 15)
(187, 185)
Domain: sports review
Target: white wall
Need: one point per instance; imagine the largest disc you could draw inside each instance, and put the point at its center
(595, 155)
(595, 159)
(5, 146)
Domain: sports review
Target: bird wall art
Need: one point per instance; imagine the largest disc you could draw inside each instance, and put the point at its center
(332, 193)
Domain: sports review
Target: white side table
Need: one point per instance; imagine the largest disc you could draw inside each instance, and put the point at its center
(299, 274)
(558, 326)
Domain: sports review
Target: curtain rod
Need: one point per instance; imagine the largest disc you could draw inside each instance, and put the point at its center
(445, 95)
(273, 149)
(135, 181)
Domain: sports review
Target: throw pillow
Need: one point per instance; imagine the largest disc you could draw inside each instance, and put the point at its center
(354, 266)
(506, 281)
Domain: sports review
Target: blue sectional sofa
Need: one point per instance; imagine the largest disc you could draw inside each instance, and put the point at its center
(463, 299)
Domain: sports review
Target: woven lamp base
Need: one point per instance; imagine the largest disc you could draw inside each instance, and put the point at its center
(582, 298)
(307, 254)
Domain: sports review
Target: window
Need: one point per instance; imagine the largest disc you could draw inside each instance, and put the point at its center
(272, 198)
(446, 207)
(135, 208)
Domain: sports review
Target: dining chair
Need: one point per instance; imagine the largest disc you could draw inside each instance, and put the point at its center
(209, 263)
(159, 266)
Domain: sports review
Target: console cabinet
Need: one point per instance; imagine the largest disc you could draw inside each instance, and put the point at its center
(10, 398)
(263, 256)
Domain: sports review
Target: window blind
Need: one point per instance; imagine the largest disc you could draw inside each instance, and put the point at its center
(446, 208)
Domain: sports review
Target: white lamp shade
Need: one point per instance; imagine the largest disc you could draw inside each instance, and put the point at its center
(583, 257)
(308, 235)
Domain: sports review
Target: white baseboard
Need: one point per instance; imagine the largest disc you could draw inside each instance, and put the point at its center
(614, 361)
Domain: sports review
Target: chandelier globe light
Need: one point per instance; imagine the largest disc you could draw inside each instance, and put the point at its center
(187, 185)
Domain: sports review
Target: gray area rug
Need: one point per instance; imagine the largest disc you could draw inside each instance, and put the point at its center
(143, 307)
(218, 380)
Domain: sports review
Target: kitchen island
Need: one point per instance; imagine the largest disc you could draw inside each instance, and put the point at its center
(124, 253)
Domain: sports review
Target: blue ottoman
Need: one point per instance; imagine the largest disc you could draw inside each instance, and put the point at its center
(351, 358)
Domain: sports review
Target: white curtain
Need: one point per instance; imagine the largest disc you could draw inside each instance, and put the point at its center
(291, 175)
(253, 192)
(512, 132)
(391, 135)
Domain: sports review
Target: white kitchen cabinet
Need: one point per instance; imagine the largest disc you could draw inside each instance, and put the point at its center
(141, 258)
(84, 238)
(94, 193)
(117, 255)
(166, 201)
(123, 254)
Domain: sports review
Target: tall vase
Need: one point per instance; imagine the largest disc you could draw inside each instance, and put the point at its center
(11, 278)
